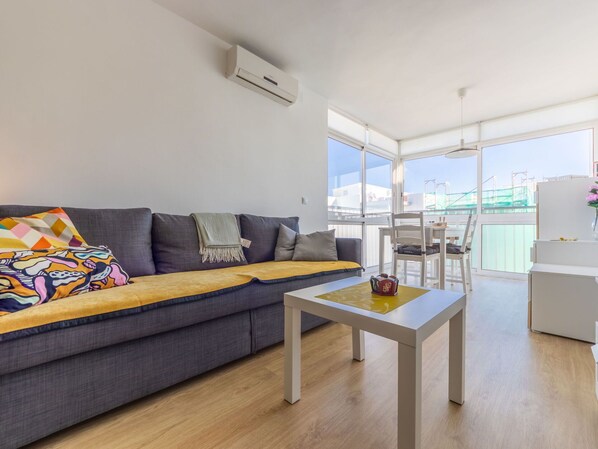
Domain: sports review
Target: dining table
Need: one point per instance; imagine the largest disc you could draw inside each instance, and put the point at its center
(442, 234)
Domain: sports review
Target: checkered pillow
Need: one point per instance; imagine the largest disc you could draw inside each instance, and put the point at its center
(52, 229)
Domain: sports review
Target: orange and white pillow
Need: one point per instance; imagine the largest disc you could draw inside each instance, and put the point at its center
(51, 229)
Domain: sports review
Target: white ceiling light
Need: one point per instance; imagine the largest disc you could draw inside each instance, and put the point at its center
(462, 151)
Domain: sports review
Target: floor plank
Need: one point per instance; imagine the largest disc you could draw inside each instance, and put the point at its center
(523, 390)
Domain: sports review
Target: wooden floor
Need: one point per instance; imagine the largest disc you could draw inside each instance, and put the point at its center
(523, 390)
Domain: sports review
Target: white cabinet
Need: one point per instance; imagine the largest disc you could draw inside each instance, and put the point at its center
(563, 290)
(564, 300)
(595, 354)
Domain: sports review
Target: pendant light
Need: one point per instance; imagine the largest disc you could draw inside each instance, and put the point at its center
(462, 151)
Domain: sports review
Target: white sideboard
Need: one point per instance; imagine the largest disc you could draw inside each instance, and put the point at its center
(563, 289)
(583, 253)
(595, 354)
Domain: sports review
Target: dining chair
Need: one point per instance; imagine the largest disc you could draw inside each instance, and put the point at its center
(408, 239)
(462, 254)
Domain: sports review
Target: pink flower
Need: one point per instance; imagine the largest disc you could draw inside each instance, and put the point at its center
(592, 197)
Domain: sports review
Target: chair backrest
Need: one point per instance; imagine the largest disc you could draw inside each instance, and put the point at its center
(472, 221)
(408, 229)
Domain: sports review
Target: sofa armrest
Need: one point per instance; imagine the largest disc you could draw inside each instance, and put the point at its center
(349, 249)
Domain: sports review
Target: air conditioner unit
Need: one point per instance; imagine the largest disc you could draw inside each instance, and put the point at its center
(250, 71)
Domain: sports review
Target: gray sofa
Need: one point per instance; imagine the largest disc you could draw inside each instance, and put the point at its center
(60, 375)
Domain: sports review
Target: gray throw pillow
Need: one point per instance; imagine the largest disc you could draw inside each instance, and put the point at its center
(319, 246)
(285, 245)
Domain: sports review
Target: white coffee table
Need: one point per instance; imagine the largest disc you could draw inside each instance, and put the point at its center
(409, 325)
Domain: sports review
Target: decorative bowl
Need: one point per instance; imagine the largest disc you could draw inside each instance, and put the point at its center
(384, 285)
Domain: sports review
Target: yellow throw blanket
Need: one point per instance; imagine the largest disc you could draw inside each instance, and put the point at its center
(148, 290)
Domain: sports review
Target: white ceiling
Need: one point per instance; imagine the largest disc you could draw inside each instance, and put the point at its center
(397, 64)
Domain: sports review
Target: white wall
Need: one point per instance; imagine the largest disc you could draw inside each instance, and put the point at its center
(120, 103)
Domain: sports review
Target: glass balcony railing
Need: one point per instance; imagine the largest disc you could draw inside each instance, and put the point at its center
(506, 247)
(372, 237)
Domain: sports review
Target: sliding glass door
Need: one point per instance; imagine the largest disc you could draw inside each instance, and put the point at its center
(360, 194)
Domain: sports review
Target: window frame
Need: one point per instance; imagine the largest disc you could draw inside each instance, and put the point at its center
(486, 218)
(354, 144)
(363, 219)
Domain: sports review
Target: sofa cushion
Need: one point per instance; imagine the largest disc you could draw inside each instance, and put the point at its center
(263, 234)
(349, 249)
(176, 245)
(148, 292)
(127, 232)
(319, 245)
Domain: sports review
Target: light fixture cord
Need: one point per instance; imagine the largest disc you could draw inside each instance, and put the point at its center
(461, 117)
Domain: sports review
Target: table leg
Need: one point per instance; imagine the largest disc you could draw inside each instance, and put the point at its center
(358, 344)
(457, 358)
(292, 354)
(381, 251)
(410, 395)
(442, 274)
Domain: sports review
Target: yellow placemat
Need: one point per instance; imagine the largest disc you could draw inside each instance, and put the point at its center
(361, 296)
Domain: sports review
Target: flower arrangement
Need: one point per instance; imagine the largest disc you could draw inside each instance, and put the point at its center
(592, 197)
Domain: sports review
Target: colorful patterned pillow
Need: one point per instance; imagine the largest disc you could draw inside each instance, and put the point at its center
(29, 278)
(52, 229)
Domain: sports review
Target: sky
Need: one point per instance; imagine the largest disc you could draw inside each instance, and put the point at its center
(344, 167)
